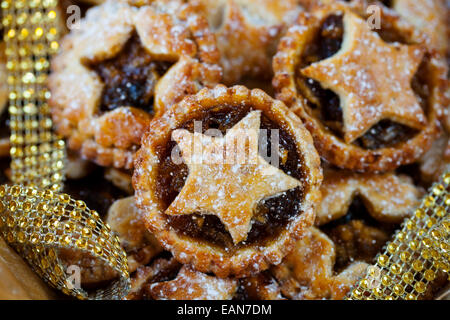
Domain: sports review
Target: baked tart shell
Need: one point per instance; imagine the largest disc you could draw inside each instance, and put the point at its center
(111, 136)
(332, 148)
(204, 257)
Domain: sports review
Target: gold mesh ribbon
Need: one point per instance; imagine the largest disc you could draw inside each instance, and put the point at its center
(418, 255)
(35, 219)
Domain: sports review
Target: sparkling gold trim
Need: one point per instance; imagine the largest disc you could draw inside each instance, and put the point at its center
(417, 256)
(34, 218)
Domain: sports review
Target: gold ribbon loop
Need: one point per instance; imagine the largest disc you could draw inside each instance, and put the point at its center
(39, 223)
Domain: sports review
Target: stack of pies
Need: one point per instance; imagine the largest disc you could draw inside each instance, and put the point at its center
(252, 149)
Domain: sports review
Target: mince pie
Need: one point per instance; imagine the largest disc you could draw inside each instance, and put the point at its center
(193, 285)
(387, 197)
(207, 190)
(357, 216)
(247, 32)
(370, 98)
(308, 272)
(428, 16)
(167, 279)
(125, 65)
(262, 286)
(139, 244)
(436, 161)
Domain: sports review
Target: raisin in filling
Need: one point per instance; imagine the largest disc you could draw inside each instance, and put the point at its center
(271, 216)
(130, 77)
(324, 104)
(357, 236)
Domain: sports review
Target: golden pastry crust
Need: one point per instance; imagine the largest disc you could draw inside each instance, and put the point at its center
(436, 161)
(307, 272)
(387, 197)
(165, 51)
(167, 279)
(125, 221)
(343, 151)
(193, 285)
(230, 259)
(428, 16)
(261, 287)
(160, 270)
(247, 32)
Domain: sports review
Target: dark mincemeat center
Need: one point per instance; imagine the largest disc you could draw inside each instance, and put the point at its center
(130, 77)
(357, 236)
(271, 216)
(325, 104)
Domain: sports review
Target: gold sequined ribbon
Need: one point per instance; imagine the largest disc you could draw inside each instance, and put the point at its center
(418, 255)
(35, 218)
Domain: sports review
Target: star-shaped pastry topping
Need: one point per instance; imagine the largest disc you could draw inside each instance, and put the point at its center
(387, 197)
(227, 177)
(372, 79)
(307, 272)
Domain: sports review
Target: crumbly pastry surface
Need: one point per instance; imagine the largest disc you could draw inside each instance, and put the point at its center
(125, 65)
(371, 100)
(167, 279)
(307, 272)
(125, 221)
(388, 197)
(262, 286)
(436, 161)
(428, 16)
(354, 220)
(193, 285)
(211, 230)
(247, 32)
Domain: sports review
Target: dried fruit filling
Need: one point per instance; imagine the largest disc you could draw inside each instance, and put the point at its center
(271, 216)
(130, 77)
(357, 236)
(325, 104)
